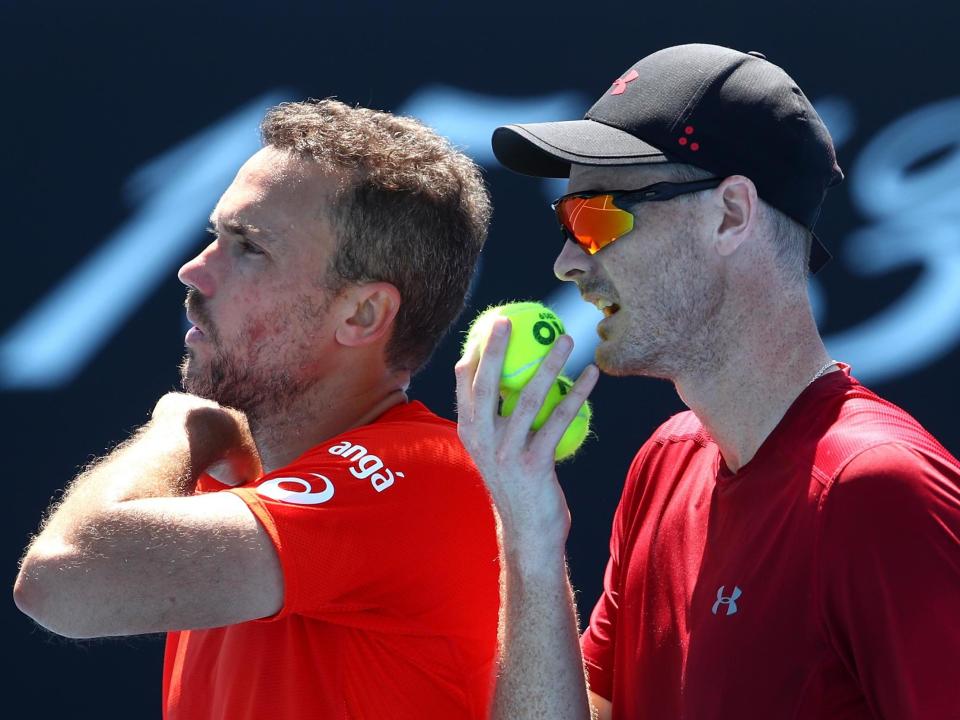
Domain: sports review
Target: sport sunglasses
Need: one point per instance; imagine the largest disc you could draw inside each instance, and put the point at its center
(593, 220)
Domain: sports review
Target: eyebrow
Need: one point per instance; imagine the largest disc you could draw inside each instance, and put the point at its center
(235, 227)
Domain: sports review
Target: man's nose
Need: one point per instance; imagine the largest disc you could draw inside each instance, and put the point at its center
(571, 263)
(198, 272)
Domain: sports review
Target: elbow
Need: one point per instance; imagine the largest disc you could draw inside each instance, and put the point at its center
(40, 594)
(29, 593)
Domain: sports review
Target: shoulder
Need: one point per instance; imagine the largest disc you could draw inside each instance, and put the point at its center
(682, 434)
(409, 450)
(678, 444)
(866, 431)
(880, 464)
(409, 433)
(889, 498)
(893, 473)
(684, 427)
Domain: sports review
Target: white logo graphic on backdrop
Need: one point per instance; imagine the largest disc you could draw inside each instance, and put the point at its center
(906, 182)
(53, 341)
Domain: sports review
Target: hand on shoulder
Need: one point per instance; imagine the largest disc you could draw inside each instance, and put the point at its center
(219, 437)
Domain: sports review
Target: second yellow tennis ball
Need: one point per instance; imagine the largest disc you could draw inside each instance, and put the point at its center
(534, 328)
(575, 434)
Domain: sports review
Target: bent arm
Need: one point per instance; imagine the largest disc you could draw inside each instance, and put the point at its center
(540, 669)
(541, 673)
(889, 579)
(131, 550)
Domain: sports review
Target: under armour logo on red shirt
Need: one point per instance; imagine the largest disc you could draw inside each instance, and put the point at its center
(729, 600)
(620, 84)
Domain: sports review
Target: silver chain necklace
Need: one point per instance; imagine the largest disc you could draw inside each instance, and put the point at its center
(820, 372)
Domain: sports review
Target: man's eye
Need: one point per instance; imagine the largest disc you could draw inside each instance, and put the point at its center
(248, 247)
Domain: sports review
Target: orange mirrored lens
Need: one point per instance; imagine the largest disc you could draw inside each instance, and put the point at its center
(593, 222)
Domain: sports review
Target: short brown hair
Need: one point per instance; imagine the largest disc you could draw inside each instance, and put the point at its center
(791, 240)
(413, 212)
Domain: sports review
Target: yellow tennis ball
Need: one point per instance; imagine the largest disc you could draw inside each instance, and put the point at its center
(575, 434)
(534, 330)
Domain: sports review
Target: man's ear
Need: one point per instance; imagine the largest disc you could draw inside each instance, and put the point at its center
(368, 311)
(737, 197)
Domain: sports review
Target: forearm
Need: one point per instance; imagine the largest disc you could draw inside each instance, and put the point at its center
(105, 559)
(186, 436)
(154, 462)
(62, 572)
(541, 669)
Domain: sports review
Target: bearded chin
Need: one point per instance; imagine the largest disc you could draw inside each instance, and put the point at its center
(242, 386)
(222, 381)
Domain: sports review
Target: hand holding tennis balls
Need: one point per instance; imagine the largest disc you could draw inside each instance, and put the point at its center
(577, 431)
(534, 330)
(519, 467)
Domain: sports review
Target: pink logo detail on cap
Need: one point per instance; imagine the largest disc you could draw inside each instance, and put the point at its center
(620, 84)
(683, 141)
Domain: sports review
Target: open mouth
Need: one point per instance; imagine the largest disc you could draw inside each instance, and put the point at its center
(605, 306)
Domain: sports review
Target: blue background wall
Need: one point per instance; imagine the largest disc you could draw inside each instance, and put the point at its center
(120, 129)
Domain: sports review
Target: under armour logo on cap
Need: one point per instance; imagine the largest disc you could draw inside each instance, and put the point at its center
(730, 600)
(620, 84)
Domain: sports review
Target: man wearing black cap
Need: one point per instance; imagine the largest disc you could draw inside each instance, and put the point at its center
(791, 546)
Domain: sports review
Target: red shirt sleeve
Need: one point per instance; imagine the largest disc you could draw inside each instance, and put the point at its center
(889, 553)
(598, 641)
(376, 525)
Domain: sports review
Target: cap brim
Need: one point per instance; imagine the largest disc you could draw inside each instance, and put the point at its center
(548, 149)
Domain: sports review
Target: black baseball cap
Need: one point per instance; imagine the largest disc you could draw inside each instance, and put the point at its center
(728, 112)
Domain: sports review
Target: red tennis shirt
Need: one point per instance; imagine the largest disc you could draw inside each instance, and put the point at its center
(388, 547)
(821, 581)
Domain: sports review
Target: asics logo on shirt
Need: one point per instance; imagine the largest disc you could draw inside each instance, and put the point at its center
(279, 489)
(367, 466)
(729, 600)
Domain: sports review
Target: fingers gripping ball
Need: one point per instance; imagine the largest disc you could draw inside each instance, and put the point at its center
(534, 330)
(575, 434)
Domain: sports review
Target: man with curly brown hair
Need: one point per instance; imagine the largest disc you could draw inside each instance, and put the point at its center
(314, 543)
